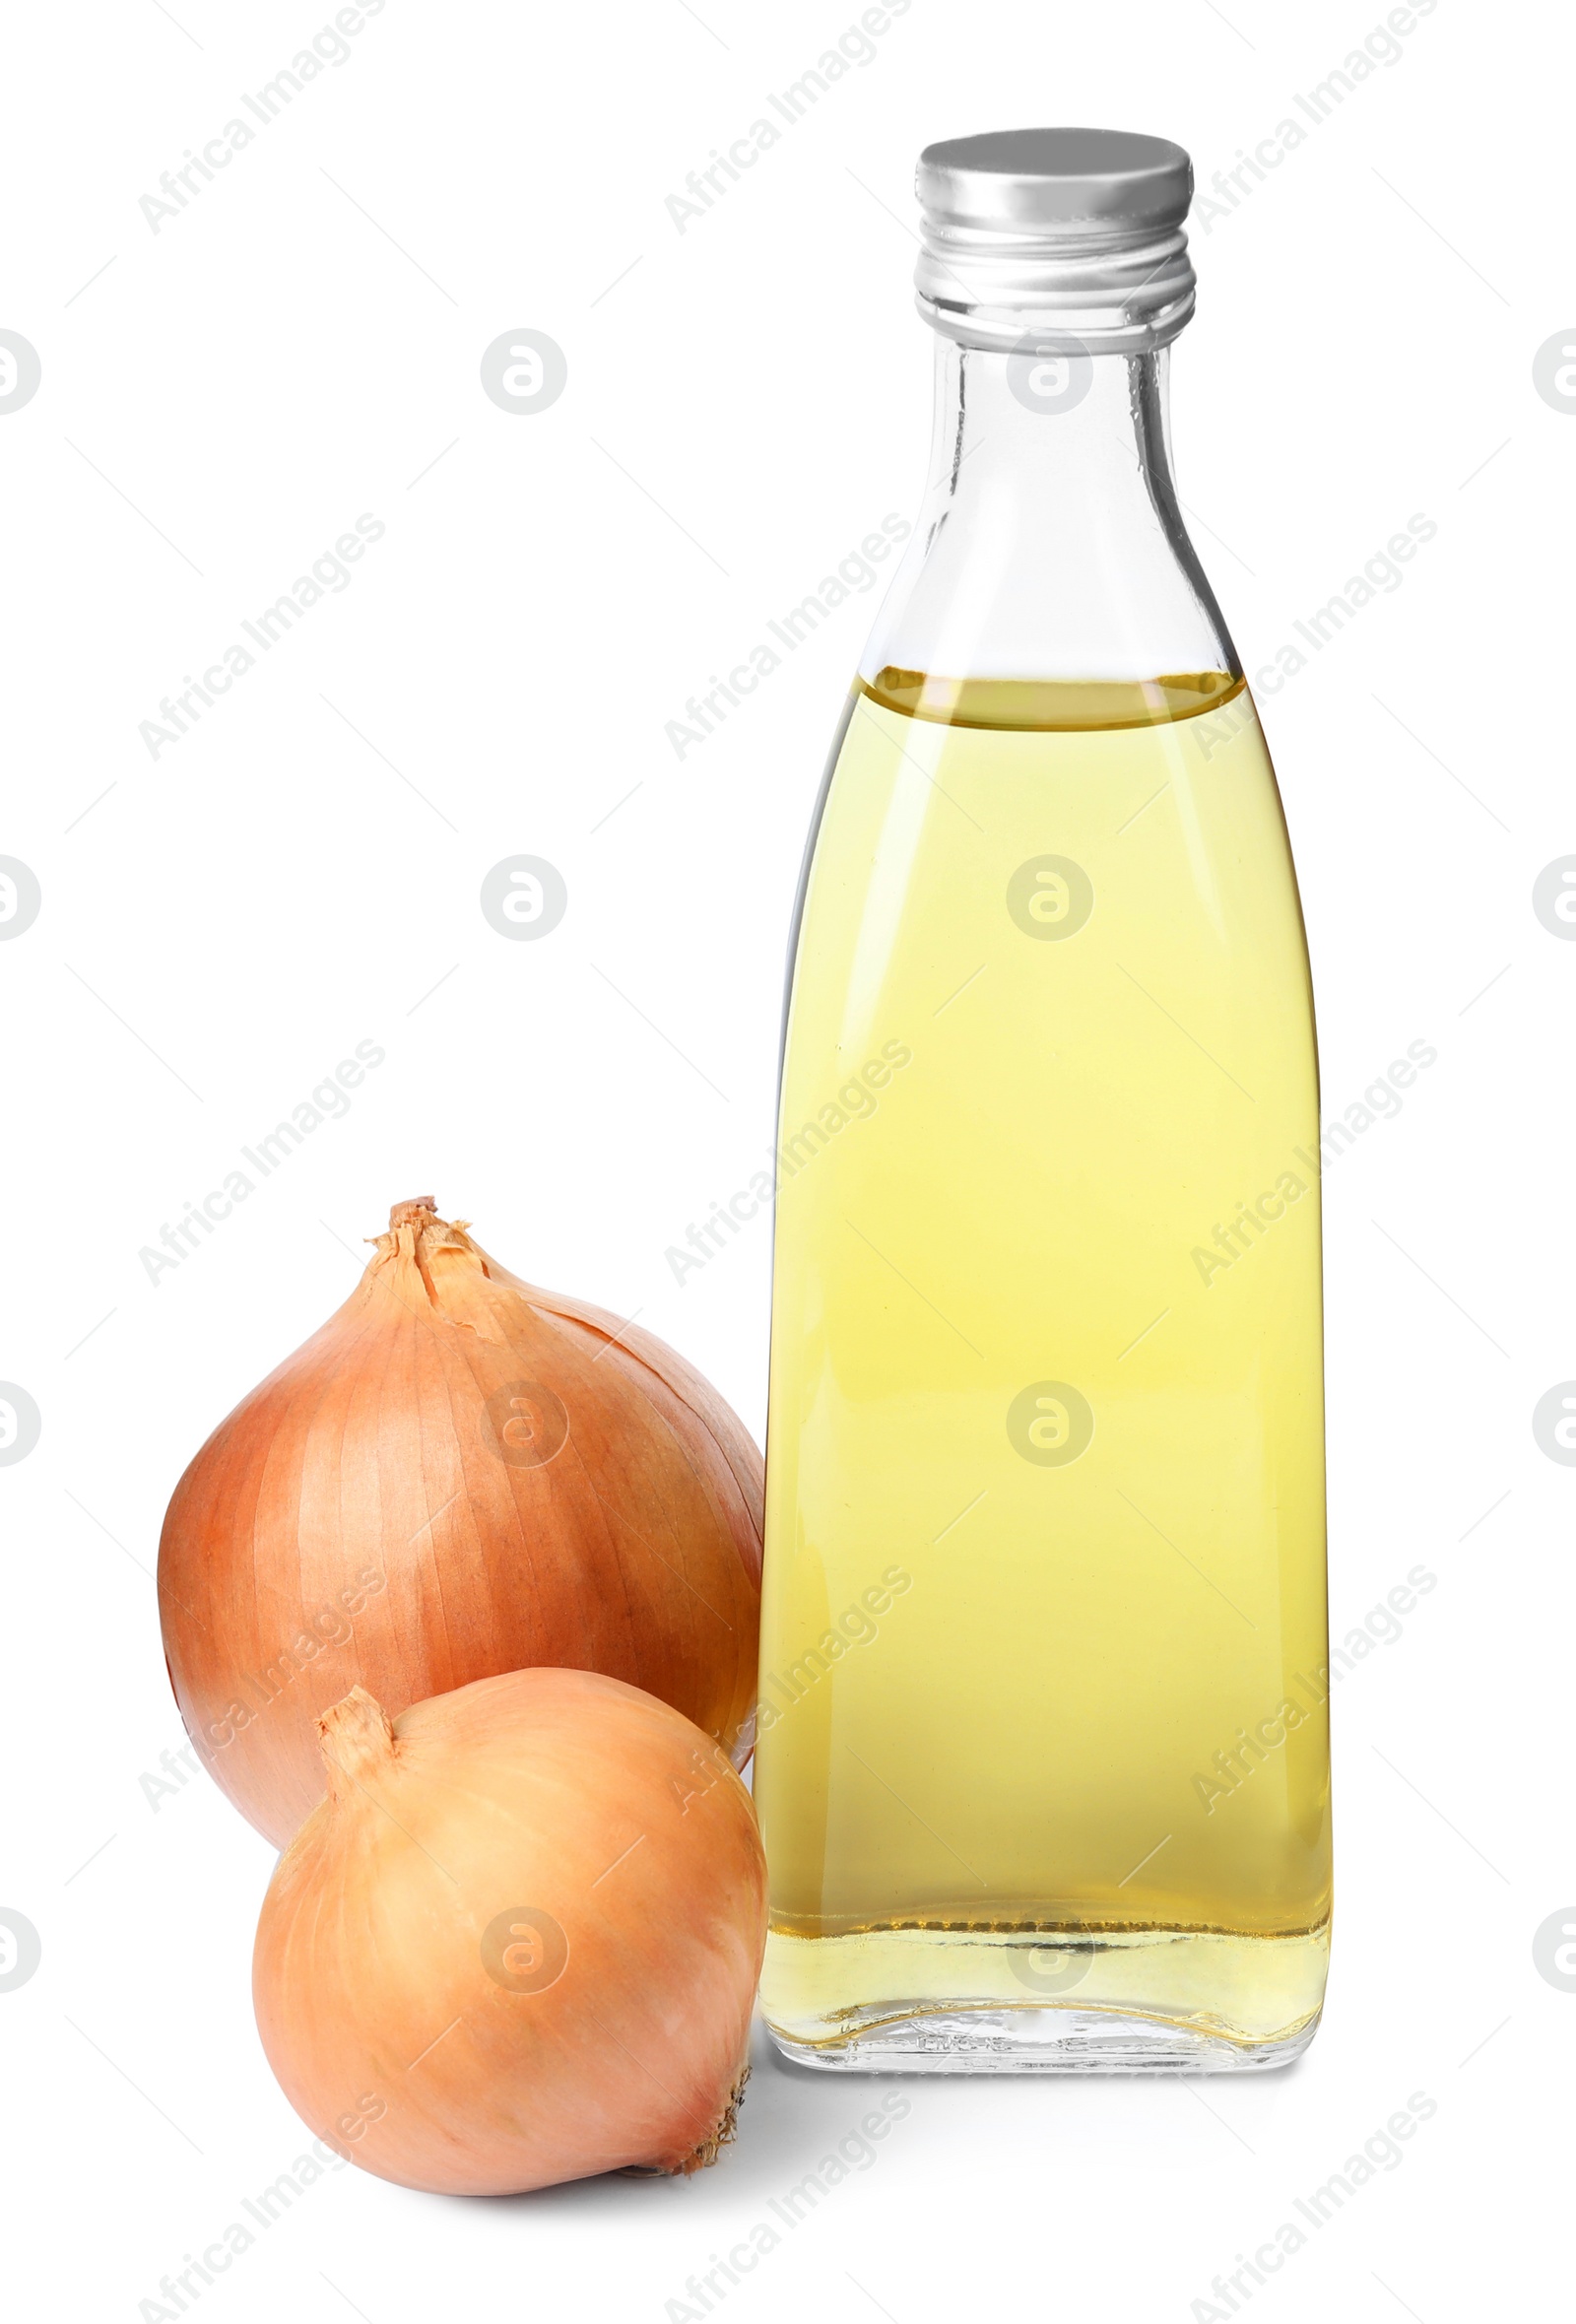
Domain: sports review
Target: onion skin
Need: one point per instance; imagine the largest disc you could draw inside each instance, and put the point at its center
(573, 1799)
(367, 1516)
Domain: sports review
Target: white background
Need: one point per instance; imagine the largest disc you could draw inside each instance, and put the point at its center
(746, 400)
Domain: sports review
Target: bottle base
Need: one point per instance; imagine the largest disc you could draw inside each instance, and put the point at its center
(1040, 2042)
(1043, 2001)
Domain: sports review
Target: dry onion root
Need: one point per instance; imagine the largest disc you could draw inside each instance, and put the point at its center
(459, 1475)
(518, 1942)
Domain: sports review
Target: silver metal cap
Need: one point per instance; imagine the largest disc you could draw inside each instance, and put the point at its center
(1055, 235)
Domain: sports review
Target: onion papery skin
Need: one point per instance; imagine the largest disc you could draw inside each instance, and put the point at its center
(518, 1942)
(458, 1475)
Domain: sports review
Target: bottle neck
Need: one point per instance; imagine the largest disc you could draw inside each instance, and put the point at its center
(1050, 544)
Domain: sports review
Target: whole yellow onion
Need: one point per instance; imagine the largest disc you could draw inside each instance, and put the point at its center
(518, 1941)
(458, 1475)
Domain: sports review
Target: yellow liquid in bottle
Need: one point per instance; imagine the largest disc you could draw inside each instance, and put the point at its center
(1043, 1763)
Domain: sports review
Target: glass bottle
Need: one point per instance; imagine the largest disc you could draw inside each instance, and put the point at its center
(1043, 1759)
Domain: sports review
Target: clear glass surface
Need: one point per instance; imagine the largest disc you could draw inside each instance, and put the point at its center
(1044, 1758)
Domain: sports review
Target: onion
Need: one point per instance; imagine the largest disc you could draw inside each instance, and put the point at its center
(518, 1941)
(457, 1476)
